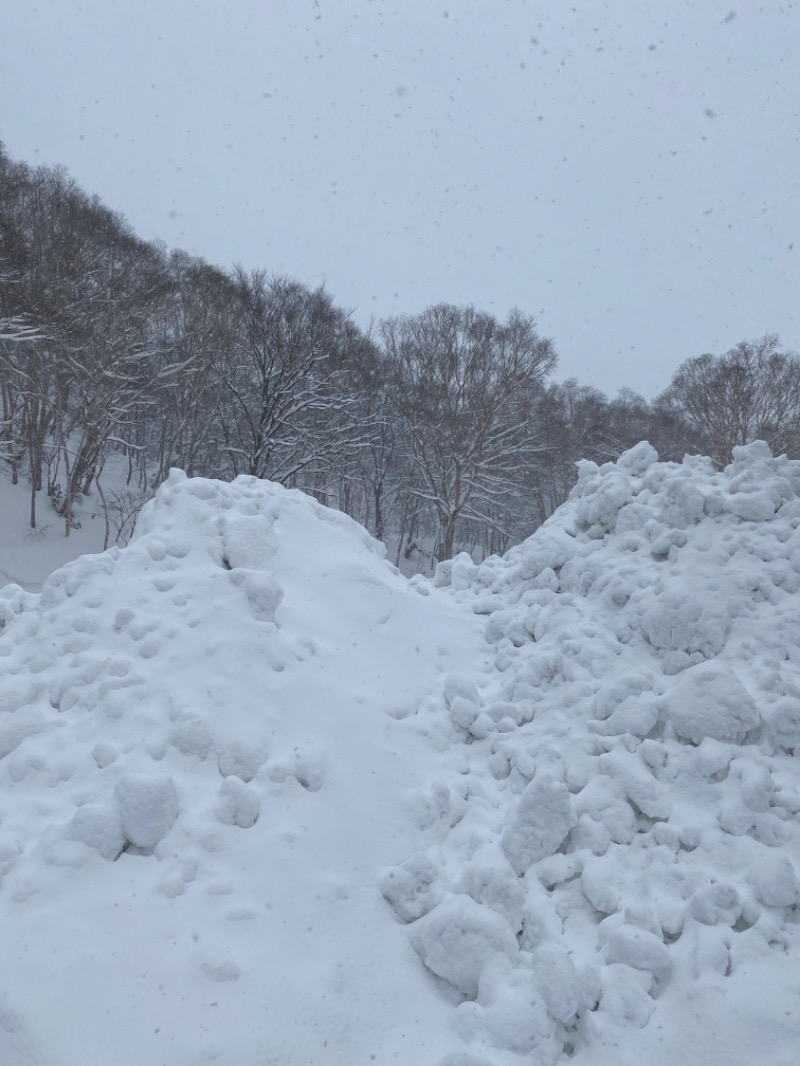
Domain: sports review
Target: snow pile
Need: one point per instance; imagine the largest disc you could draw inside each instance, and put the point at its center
(284, 806)
(612, 859)
(201, 776)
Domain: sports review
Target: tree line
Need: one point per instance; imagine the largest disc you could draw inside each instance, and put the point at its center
(441, 431)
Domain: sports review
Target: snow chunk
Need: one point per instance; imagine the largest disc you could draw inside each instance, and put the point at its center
(241, 760)
(710, 701)
(104, 754)
(637, 782)
(558, 981)
(601, 501)
(248, 541)
(683, 504)
(457, 938)
(263, 592)
(783, 725)
(547, 550)
(638, 459)
(715, 903)
(99, 827)
(462, 701)
(600, 882)
(147, 805)
(604, 802)
(751, 506)
(509, 1015)
(634, 715)
(686, 622)
(489, 879)
(752, 452)
(624, 999)
(412, 888)
(618, 691)
(540, 824)
(775, 882)
(238, 804)
(458, 572)
(637, 947)
(758, 788)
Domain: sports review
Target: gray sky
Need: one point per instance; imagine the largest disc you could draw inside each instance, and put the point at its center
(626, 171)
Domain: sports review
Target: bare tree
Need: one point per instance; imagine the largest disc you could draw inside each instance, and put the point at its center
(71, 258)
(573, 420)
(750, 393)
(466, 390)
(288, 407)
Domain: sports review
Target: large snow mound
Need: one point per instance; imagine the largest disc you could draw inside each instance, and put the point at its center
(203, 770)
(264, 801)
(627, 781)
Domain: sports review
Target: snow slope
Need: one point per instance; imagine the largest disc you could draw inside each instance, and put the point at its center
(264, 801)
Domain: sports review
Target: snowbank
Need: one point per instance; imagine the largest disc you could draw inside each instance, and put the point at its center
(285, 806)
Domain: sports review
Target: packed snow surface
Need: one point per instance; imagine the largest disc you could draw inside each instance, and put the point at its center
(264, 801)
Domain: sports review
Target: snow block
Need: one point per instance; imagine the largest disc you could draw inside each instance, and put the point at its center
(758, 788)
(601, 501)
(600, 882)
(775, 882)
(637, 947)
(237, 803)
(783, 725)
(510, 1016)
(637, 782)
(541, 823)
(683, 504)
(489, 879)
(458, 572)
(147, 805)
(624, 999)
(638, 459)
(411, 888)
(98, 827)
(710, 701)
(557, 980)
(634, 716)
(248, 542)
(686, 622)
(457, 938)
(240, 760)
(716, 903)
(264, 594)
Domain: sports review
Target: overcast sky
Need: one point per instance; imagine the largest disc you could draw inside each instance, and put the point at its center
(626, 171)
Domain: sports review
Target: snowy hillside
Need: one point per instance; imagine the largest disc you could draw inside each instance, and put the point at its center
(263, 801)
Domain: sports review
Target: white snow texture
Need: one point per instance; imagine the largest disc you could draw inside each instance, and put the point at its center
(264, 801)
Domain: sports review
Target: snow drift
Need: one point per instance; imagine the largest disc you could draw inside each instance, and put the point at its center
(264, 801)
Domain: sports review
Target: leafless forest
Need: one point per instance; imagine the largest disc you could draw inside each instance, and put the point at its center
(441, 431)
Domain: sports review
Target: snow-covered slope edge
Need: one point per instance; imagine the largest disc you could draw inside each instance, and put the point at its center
(611, 870)
(205, 761)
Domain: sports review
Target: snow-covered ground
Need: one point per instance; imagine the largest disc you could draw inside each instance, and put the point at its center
(264, 801)
(28, 555)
